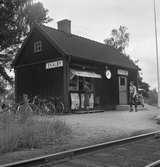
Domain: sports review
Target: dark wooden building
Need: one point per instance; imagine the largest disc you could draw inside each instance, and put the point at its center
(54, 62)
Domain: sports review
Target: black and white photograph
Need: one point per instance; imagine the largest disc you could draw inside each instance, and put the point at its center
(79, 83)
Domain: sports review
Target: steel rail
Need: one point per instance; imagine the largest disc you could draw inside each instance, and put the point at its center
(154, 164)
(66, 155)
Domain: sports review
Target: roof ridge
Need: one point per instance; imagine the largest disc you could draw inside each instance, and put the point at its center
(70, 34)
(116, 54)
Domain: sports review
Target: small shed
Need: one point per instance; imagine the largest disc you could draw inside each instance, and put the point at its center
(55, 62)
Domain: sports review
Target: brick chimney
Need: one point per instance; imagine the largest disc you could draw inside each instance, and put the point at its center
(64, 25)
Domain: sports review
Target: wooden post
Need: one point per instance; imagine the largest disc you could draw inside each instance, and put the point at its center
(157, 58)
(15, 87)
(66, 84)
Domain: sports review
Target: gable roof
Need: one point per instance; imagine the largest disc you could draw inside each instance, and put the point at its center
(81, 47)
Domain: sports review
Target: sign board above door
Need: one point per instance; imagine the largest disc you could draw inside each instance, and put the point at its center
(122, 72)
(54, 64)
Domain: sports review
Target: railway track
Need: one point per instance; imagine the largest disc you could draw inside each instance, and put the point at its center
(60, 158)
(154, 164)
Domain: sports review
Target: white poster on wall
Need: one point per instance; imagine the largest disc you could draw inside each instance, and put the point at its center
(75, 101)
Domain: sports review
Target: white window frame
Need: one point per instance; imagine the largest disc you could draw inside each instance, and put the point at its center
(37, 46)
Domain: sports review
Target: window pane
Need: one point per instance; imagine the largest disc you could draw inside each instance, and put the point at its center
(37, 46)
(122, 81)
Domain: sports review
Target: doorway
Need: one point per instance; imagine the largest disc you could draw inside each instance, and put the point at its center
(123, 90)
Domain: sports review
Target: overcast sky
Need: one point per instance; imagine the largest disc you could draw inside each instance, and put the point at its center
(94, 19)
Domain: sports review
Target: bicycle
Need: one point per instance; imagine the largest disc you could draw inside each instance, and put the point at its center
(59, 105)
(44, 105)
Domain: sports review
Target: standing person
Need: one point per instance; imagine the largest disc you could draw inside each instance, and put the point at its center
(141, 99)
(132, 96)
(86, 94)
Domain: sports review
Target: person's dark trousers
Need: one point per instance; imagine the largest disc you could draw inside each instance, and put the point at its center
(132, 101)
(131, 107)
(135, 103)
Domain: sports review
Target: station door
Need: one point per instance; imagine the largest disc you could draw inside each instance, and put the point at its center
(123, 90)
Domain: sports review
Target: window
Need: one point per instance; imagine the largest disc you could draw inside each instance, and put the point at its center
(74, 83)
(122, 81)
(37, 46)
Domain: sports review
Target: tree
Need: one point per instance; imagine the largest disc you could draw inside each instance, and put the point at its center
(119, 39)
(143, 85)
(35, 13)
(153, 97)
(16, 20)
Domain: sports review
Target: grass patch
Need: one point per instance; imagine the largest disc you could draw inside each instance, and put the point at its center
(21, 131)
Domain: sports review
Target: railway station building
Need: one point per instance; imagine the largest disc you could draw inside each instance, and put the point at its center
(55, 62)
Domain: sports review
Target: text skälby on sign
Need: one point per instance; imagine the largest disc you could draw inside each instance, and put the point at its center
(54, 64)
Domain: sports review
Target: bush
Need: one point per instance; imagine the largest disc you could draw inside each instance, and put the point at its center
(17, 133)
(153, 97)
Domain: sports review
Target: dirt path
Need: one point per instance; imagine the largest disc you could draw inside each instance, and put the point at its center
(100, 127)
(94, 128)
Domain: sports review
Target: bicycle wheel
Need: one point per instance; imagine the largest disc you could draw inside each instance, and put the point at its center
(52, 108)
(60, 107)
(35, 108)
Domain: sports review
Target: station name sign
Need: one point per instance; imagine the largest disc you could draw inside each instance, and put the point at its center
(54, 64)
(122, 72)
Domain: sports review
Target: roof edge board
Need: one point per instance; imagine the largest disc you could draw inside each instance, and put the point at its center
(22, 47)
(118, 66)
(51, 41)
